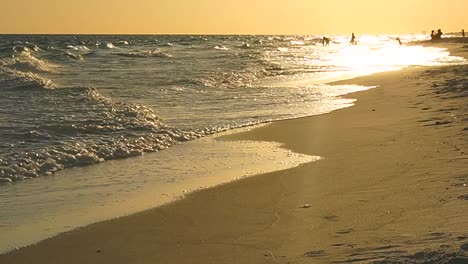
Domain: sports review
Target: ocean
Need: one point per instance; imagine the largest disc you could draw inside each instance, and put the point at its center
(78, 113)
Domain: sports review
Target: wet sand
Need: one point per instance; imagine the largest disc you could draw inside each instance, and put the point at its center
(392, 183)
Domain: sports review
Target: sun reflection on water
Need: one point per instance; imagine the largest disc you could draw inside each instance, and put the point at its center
(376, 53)
(388, 57)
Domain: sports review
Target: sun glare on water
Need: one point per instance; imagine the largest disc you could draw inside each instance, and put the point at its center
(375, 55)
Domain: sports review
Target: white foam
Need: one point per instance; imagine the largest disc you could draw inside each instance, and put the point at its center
(11, 79)
(109, 45)
(145, 54)
(220, 47)
(25, 61)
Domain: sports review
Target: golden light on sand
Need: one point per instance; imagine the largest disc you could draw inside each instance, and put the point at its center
(232, 17)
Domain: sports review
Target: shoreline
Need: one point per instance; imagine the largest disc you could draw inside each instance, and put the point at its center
(42, 229)
(261, 219)
(201, 164)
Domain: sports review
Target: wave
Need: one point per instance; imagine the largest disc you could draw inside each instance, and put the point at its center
(14, 79)
(258, 41)
(73, 56)
(78, 47)
(26, 62)
(220, 47)
(102, 130)
(124, 42)
(245, 46)
(21, 70)
(145, 54)
(107, 45)
(297, 42)
(247, 77)
(99, 129)
(26, 48)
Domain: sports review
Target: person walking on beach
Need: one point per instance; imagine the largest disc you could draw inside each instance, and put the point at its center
(353, 39)
(463, 33)
(325, 41)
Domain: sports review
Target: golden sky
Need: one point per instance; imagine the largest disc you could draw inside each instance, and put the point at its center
(232, 16)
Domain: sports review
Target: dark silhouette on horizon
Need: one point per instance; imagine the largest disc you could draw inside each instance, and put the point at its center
(436, 36)
(353, 39)
(463, 33)
(399, 41)
(325, 41)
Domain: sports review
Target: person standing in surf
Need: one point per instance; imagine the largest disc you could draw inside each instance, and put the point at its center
(399, 41)
(353, 39)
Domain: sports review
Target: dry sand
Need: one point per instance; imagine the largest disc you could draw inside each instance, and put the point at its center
(392, 183)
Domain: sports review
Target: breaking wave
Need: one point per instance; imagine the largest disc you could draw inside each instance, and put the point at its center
(102, 130)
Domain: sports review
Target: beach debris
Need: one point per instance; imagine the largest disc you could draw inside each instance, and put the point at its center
(305, 206)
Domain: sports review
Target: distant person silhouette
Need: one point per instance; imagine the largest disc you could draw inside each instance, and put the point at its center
(399, 41)
(463, 33)
(326, 41)
(439, 34)
(433, 35)
(353, 39)
(436, 36)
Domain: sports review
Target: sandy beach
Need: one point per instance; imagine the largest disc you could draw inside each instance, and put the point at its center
(392, 187)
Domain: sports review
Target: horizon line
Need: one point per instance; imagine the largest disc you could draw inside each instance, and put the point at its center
(217, 34)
